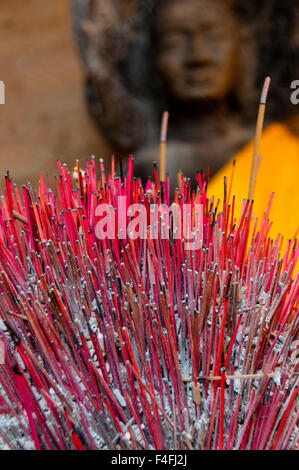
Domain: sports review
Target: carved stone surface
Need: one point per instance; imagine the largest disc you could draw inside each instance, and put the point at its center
(203, 60)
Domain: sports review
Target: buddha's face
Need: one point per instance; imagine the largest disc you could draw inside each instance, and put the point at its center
(197, 48)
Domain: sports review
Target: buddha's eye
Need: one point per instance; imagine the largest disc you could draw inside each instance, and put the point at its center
(174, 40)
(212, 34)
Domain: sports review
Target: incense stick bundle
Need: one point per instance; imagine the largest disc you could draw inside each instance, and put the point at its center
(133, 341)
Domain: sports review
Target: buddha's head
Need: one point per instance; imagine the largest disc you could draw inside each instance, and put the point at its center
(144, 56)
(197, 48)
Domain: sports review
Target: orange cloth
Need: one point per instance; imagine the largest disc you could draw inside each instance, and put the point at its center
(278, 173)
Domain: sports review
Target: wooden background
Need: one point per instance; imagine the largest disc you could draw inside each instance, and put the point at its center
(44, 117)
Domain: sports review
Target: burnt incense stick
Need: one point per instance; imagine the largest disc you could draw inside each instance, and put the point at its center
(20, 217)
(235, 377)
(163, 140)
(179, 180)
(257, 139)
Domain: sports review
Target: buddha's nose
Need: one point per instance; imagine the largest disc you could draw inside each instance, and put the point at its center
(197, 51)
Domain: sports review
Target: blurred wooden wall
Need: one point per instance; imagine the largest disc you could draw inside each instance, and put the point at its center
(45, 116)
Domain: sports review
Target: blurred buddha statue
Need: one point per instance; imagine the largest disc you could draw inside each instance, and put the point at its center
(202, 60)
(205, 78)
